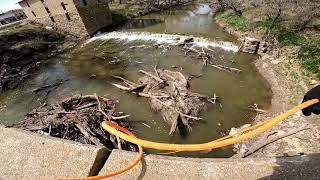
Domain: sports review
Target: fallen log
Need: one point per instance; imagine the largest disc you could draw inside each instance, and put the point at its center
(258, 145)
(91, 138)
(139, 93)
(154, 77)
(138, 88)
(121, 87)
(227, 69)
(125, 80)
(86, 106)
(120, 117)
(258, 110)
(42, 88)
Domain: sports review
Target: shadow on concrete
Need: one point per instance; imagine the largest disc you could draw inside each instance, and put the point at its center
(99, 162)
(297, 167)
(143, 170)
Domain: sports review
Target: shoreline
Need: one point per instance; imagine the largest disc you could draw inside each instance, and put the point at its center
(287, 92)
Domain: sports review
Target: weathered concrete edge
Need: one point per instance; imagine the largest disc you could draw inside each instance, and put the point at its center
(167, 167)
(280, 159)
(100, 159)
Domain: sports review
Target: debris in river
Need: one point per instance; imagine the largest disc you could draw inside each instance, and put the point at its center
(78, 118)
(194, 53)
(255, 107)
(185, 41)
(169, 94)
(46, 87)
(227, 69)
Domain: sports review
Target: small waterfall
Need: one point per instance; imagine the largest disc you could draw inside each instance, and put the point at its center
(165, 39)
(204, 9)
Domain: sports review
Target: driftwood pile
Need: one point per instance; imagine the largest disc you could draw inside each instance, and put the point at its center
(204, 56)
(169, 94)
(78, 118)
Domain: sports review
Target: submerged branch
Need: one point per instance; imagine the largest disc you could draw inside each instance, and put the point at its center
(227, 69)
(150, 75)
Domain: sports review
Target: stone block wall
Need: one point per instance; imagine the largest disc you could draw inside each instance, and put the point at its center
(81, 18)
(95, 15)
(255, 46)
(74, 26)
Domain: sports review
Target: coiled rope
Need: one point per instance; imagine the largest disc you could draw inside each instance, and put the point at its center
(130, 166)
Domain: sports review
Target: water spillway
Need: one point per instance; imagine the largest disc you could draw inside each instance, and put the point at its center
(172, 39)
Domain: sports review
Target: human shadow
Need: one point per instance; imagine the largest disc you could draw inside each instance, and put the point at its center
(297, 167)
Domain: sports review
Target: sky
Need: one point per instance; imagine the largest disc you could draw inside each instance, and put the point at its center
(6, 5)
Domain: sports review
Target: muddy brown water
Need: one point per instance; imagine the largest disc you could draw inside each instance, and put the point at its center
(87, 70)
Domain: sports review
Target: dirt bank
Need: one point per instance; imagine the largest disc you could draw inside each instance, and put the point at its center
(23, 49)
(288, 82)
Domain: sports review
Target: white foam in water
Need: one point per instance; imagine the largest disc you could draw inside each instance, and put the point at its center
(164, 39)
(204, 9)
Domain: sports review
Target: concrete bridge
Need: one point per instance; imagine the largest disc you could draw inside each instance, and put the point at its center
(25, 155)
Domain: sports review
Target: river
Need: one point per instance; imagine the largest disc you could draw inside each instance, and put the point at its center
(140, 44)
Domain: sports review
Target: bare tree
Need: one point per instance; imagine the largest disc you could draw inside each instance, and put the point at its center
(236, 5)
(306, 12)
(297, 14)
(271, 9)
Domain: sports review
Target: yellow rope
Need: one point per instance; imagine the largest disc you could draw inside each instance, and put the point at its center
(127, 168)
(242, 135)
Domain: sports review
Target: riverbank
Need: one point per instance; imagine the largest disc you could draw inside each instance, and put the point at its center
(25, 48)
(289, 82)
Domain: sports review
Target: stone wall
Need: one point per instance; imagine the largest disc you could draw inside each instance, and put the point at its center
(74, 26)
(56, 16)
(95, 15)
(255, 46)
(69, 16)
(36, 9)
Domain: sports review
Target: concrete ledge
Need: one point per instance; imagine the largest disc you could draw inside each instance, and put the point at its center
(25, 155)
(165, 167)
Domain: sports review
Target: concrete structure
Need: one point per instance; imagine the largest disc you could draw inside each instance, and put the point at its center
(12, 16)
(171, 168)
(27, 155)
(77, 17)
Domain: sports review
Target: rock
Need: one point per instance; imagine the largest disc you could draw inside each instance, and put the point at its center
(182, 42)
(174, 66)
(314, 82)
(235, 130)
(188, 40)
(264, 47)
(250, 45)
(276, 61)
(49, 28)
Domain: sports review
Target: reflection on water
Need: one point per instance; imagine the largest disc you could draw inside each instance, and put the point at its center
(141, 23)
(88, 70)
(187, 20)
